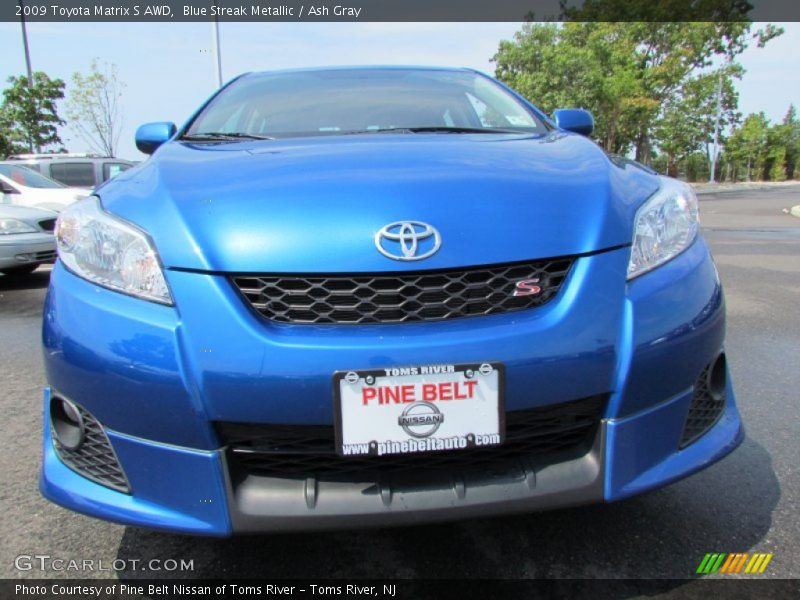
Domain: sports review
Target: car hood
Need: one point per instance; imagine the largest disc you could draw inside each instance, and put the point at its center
(13, 211)
(52, 198)
(316, 204)
(65, 192)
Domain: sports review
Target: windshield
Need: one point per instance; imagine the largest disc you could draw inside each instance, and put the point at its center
(336, 102)
(28, 177)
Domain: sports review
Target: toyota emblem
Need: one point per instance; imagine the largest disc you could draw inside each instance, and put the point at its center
(408, 240)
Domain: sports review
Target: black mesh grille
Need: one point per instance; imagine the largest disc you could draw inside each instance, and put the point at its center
(47, 255)
(705, 409)
(94, 458)
(401, 297)
(535, 435)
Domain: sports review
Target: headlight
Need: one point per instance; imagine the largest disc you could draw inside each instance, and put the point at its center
(665, 226)
(109, 252)
(9, 226)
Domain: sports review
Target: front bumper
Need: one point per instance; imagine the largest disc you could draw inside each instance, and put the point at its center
(158, 378)
(26, 249)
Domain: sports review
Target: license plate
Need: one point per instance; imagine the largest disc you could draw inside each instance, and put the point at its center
(427, 408)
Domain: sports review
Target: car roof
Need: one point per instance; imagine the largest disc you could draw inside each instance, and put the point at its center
(363, 68)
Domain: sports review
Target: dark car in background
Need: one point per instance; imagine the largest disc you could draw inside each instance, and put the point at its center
(74, 170)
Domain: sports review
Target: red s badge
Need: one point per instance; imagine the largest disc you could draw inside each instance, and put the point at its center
(528, 287)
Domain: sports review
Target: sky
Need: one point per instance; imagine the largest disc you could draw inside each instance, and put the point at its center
(168, 67)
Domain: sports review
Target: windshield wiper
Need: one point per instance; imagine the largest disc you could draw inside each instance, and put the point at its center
(434, 129)
(461, 130)
(216, 136)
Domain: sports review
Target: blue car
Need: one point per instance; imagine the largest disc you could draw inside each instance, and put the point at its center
(371, 296)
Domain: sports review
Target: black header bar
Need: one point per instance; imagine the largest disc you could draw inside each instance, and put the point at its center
(398, 10)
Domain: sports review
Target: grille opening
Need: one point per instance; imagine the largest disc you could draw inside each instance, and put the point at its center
(67, 424)
(400, 298)
(537, 436)
(717, 378)
(708, 401)
(94, 457)
(48, 224)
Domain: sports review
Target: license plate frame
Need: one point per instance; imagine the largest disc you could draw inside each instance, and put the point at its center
(492, 431)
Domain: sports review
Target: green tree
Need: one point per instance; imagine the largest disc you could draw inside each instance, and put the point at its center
(627, 73)
(747, 146)
(696, 167)
(659, 162)
(588, 65)
(688, 119)
(775, 162)
(93, 107)
(7, 147)
(29, 112)
(790, 129)
(671, 58)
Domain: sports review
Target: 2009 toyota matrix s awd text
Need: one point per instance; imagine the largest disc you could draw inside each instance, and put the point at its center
(377, 296)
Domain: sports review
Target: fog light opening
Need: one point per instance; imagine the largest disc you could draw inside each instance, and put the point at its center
(67, 423)
(718, 378)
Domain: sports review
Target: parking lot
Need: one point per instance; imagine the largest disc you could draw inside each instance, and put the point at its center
(746, 503)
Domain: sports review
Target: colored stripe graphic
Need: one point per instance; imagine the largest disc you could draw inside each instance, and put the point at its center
(728, 564)
(734, 563)
(739, 562)
(711, 563)
(758, 563)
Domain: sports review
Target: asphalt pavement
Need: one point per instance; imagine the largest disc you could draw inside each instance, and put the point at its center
(746, 503)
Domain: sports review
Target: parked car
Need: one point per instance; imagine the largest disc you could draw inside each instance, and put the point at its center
(26, 239)
(379, 296)
(25, 187)
(74, 170)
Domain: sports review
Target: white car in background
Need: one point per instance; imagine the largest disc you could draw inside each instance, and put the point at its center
(25, 187)
(26, 238)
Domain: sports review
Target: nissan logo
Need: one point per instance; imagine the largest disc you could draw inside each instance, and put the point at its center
(420, 419)
(408, 240)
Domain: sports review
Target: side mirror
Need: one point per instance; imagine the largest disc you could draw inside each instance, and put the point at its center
(576, 120)
(151, 135)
